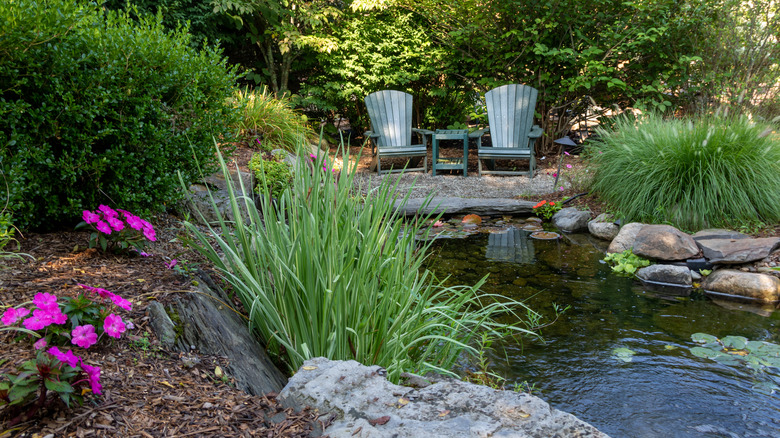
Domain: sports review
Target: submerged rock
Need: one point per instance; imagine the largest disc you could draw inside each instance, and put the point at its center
(365, 404)
(664, 242)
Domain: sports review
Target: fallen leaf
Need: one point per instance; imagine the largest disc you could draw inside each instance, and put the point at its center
(472, 219)
(379, 421)
(218, 372)
(444, 413)
(403, 401)
(165, 382)
(308, 368)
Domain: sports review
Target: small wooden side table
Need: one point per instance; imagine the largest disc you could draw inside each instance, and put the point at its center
(454, 163)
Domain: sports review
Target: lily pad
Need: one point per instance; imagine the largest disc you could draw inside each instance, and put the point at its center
(703, 338)
(545, 235)
(624, 354)
(736, 342)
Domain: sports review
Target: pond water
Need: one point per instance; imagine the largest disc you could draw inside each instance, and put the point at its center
(661, 390)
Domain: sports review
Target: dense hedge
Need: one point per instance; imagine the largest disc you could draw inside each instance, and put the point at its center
(98, 108)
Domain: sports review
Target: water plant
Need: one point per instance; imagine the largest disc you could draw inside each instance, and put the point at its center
(709, 171)
(734, 350)
(626, 262)
(326, 273)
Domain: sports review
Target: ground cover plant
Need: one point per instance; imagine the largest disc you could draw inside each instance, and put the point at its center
(98, 108)
(326, 273)
(707, 171)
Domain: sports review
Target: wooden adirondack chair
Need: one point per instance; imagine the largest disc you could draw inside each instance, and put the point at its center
(391, 129)
(510, 111)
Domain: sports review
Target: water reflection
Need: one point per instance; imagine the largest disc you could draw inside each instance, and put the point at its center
(511, 245)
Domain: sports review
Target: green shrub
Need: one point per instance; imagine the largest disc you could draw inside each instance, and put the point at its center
(325, 273)
(99, 109)
(269, 122)
(272, 176)
(711, 171)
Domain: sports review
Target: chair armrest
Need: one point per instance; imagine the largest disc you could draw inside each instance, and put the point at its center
(536, 132)
(370, 134)
(479, 133)
(422, 131)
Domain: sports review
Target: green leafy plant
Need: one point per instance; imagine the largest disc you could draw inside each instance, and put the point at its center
(272, 176)
(626, 262)
(111, 232)
(324, 273)
(711, 171)
(113, 131)
(270, 121)
(735, 350)
(547, 210)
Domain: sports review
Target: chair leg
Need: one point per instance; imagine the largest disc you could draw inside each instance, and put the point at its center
(532, 165)
(479, 166)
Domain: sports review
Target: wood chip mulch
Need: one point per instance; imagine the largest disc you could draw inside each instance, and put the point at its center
(147, 392)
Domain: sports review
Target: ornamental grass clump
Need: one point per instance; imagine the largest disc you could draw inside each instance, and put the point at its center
(271, 121)
(327, 273)
(710, 171)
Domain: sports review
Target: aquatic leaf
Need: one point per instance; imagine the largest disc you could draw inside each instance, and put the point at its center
(472, 219)
(703, 338)
(704, 352)
(737, 342)
(753, 346)
(670, 347)
(623, 354)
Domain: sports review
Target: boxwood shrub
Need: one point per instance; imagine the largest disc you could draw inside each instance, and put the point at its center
(98, 108)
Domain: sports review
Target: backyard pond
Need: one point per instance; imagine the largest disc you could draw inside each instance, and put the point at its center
(622, 357)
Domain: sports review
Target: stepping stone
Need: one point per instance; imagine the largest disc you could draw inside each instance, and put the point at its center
(737, 251)
(664, 242)
(730, 282)
(482, 207)
(718, 233)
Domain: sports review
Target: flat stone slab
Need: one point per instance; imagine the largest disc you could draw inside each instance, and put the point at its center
(718, 233)
(365, 405)
(736, 251)
(483, 206)
(759, 287)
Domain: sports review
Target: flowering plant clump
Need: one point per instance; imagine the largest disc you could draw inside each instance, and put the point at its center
(79, 321)
(546, 210)
(117, 230)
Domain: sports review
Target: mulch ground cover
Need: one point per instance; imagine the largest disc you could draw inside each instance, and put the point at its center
(147, 392)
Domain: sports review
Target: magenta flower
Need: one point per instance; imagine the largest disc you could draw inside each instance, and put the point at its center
(108, 211)
(54, 351)
(150, 234)
(47, 302)
(560, 188)
(566, 153)
(121, 302)
(90, 217)
(555, 174)
(113, 326)
(40, 344)
(93, 375)
(39, 320)
(68, 358)
(84, 336)
(135, 222)
(11, 315)
(103, 227)
(57, 317)
(115, 223)
(171, 264)
(568, 166)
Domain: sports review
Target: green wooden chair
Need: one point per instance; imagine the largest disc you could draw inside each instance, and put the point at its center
(510, 111)
(391, 131)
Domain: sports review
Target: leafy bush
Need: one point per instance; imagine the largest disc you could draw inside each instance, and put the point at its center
(710, 171)
(99, 109)
(272, 176)
(270, 121)
(325, 273)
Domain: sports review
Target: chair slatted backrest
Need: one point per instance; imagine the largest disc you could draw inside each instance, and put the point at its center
(511, 114)
(390, 112)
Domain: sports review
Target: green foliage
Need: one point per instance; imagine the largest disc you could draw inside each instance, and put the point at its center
(733, 350)
(546, 210)
(325, 273)
(710, 171)
(97, 108)
(626, 262)
(273, 176)
(271, 122)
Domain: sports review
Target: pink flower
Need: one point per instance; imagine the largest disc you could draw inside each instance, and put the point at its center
(11, 315)
(150, 234)
(54, 351)
(143, 254)
(555, 174)
(113, 326)
(39, 320)
(171, 264)
(560, 188)
(103, 227)
(568, 166)
(40, 344)
(68, 358)
(84, 336)
(47, 302)
(566, 153)
(89, 217)
(135, 222)
(108, 211)
(438, 224)
(115, 223)
(121, 302)
(93, 375)
(57, 317)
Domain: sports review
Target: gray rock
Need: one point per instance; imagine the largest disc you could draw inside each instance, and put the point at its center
(199, 205)
(760, 287)
(365, 404)
(482, 206)
(718, 233)
(736, 251)
(571, 220)
(668, 274)
(162, 326)
(603, 227)
(625, 238)
(664, 242)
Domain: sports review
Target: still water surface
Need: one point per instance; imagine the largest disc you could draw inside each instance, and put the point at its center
(664, 391)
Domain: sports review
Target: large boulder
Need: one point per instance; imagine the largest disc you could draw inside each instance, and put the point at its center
(664, 242)
(625, 237)
(364, 404)
(666, 274)
(737, 251)
(603, 227)
(571, 220)
(759, 287)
